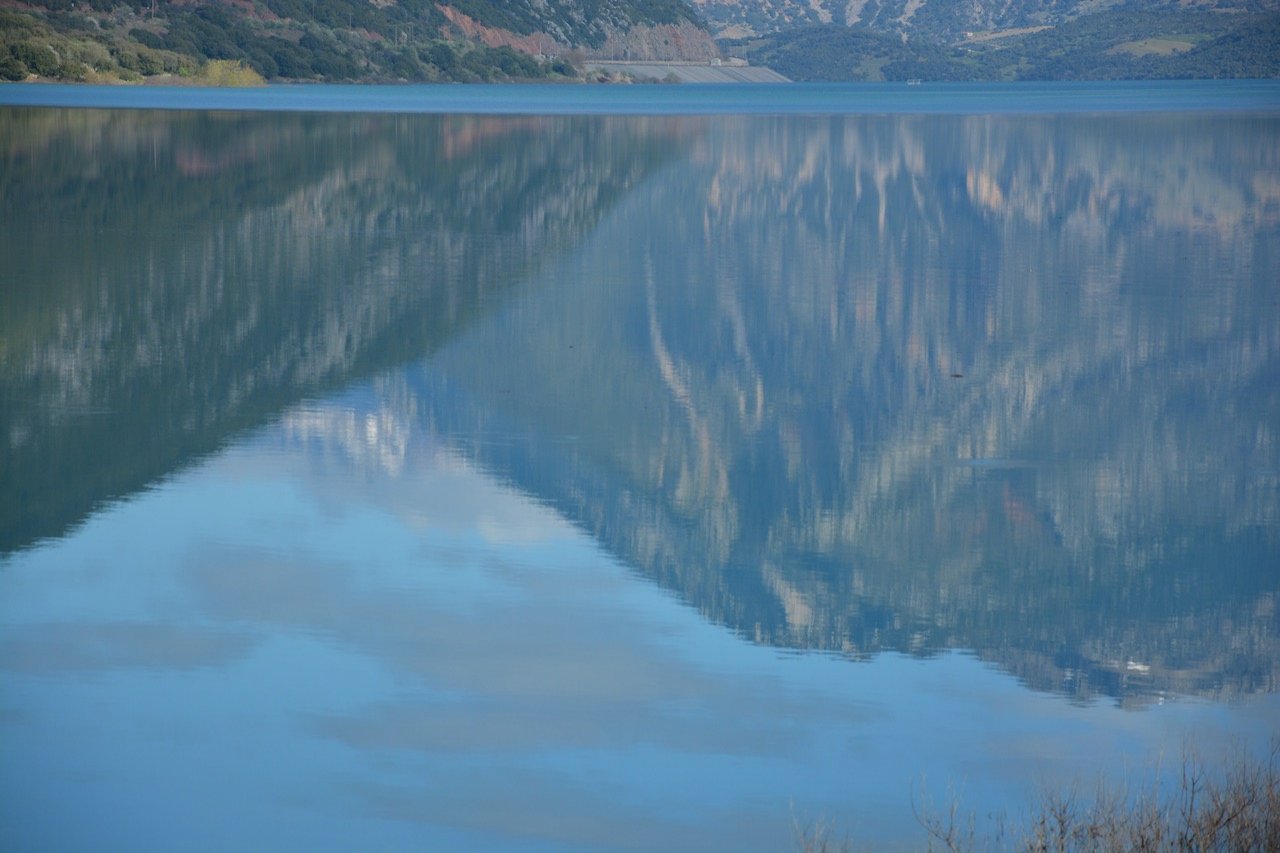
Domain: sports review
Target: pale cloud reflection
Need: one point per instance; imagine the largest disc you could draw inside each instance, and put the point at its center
(66, 647)
(418, 677)
(395, 462)
(521, 664)
(537, 809)
(526, 661)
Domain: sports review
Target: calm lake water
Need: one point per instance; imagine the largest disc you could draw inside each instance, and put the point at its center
(457, 481)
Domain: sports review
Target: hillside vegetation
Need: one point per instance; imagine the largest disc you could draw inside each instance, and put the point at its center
(333, 40)
(498, 40)
(1123, 43)
(943, 21)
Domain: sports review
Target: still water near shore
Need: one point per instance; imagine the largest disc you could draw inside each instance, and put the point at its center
(1131, 96)
(610, 481)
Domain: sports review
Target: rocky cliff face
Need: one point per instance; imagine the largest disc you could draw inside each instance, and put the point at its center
(611, 30)
(660, 42)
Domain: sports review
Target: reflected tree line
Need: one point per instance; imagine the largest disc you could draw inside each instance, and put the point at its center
(171, 279)
(1002, 384)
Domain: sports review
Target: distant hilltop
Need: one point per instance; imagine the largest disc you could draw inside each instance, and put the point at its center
(241, 42)
(1002, 39)
(334, 40)
(944, 21)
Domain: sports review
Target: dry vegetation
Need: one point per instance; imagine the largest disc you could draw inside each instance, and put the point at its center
(1153, 47)
(228, 72)
(1236, 809)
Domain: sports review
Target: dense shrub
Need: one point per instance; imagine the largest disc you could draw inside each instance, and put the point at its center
(12, 68)
(146, 37)
(39, 58)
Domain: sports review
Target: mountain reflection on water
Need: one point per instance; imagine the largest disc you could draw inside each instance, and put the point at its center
(173, 278)
(1003, 384)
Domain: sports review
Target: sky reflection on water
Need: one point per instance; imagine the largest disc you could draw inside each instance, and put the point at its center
(638, 483)
(309, 651)
(1126, 96)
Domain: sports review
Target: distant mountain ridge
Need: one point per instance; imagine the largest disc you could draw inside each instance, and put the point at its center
(941, 20)
(235, 42)
(981, 40)
(415, 40)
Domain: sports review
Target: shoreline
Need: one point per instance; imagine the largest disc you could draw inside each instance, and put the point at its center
(818, 99)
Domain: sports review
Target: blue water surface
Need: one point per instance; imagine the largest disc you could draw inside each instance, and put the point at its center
(694, 99)
(376, 481)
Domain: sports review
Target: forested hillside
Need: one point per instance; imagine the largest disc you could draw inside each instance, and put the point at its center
(1137, 41)
(246, 41)
(945, 21)
(414, 40)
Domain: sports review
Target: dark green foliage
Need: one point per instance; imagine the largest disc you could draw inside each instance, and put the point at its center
(149, 64)
(285, 58)
(1091, 48)
(30, 44)
(1237, 53)
(38, 58)
(490, 64)
(334, 67)
(147, 38)
(508, 62)
(12, 68)
(403, 64)
(13, 25)
(303, 40)
(442, 57)
(923, 66)
(395, 21)
(69, 21)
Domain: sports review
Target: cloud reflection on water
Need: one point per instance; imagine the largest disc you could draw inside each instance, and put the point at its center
(515, 692)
